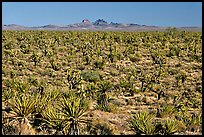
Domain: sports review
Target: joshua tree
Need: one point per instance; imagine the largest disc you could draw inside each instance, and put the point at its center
(73, 78)
(35, 58)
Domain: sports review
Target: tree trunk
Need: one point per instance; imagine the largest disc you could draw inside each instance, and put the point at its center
(74, 130)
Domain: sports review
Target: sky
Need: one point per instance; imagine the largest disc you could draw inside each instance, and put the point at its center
(177, 14)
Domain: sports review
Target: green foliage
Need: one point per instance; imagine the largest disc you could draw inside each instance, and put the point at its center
(170, 127)
(181, 77)
(171, 30)
(166, 111)
(158, 57)
(192, 122)
(99, 64)
(174, 51)
(6, 95)
(73, 108)
(21, 86)
(102, 97)
(127, 85)
(90, 75)
(73, 78)
(35, 58)
(50, 65)
(87, 59)
(25, 48)
(135, 57)
(8, 45)
(52, 118)
(54, 64)
(142, 123)
(23, 106)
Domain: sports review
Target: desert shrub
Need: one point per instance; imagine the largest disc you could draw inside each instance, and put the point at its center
(127, 86)
(8, 45)
(35, 57)
(191, 122)
(114, 72)
(55, 65)
(99, 64)
(135, 57)
(90, 75)
(195, 123)
(25, 48)
(172, 71)
(181, 77)
(23, 110)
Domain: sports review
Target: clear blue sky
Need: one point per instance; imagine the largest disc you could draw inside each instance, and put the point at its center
(63, 13)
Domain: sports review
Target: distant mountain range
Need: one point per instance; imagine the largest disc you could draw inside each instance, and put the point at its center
(98, 25)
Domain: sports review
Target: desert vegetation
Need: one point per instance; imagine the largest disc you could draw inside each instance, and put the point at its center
(101, 83)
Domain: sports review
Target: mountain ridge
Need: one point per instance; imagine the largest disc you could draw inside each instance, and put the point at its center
(99, 24)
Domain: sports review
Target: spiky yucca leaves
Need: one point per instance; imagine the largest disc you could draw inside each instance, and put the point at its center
(196, 122)
(166, 111)
(21, 86)
(6, 95)
(102, 97)
(142, 123)
(23, 105)
(170, 127)
(23, 108)
(192, 122)
(73, 108)
(52, 119)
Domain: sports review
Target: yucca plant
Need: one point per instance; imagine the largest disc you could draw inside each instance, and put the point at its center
(21, 86)
(102, 97)
(87, 59)
(191, 122)
(73, 108)
(196, 122)
(6, 95)
(142, 123)
(42, 103)
(52, 119)
(166, 111)
(23, 107)
(170, 127)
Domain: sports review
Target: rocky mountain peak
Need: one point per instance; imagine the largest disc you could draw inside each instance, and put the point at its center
(100, 22)
(86, 21)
